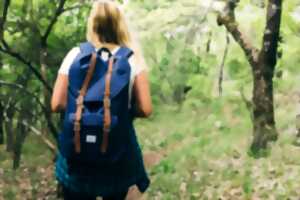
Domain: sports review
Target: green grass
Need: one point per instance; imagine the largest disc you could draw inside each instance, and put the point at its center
(35, 170)
(206, 149)
(204, 156)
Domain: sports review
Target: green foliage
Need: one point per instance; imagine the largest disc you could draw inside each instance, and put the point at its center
(201, 138)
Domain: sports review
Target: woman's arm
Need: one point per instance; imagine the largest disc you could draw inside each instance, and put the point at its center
(141, 93)
(59, 96)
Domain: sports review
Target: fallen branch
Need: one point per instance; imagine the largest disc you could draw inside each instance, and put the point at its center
(45, 140)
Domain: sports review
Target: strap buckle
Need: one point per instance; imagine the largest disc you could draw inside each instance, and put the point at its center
(106, 129)
(76, 126)
(106, 102)
(79, 100)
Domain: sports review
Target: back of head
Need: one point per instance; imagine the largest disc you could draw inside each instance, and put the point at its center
(106, 24)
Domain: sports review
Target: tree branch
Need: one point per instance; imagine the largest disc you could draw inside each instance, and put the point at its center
(45, 109)
(45, 140)
(73, 7)
(208, 43)
(3, 18)
(223, 63)
(7, 50)
(272, 32)
(249, 105)
(21, 88)
(227, 18)
(58, 12)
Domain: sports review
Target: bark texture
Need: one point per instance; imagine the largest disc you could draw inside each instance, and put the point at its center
(1, 123)
(263, 63)
(9, 127)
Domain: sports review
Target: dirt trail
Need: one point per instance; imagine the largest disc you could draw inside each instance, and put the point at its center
(151, 159)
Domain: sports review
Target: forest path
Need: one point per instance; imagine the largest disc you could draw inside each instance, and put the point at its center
(151, 158)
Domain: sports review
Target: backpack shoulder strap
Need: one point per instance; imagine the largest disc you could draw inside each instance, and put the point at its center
(80, 99)
(124, 52)
(87, 48)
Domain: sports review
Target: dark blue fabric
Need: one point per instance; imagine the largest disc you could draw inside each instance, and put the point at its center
(109, 179)
(94, 119)
(91, 171)
(87, 48)
(71, 195)
(124, 52)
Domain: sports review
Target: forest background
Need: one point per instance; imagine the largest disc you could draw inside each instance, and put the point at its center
(205, 139)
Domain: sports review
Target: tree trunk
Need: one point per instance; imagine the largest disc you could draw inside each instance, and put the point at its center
(298, 125)
(264, 127)
(1, 123)
(263, 73)
(1, 103)
(263, 62)
(9, 136)
(43, 54)
(9, 128)
(178, 94)
(20, 138)
(49, 127)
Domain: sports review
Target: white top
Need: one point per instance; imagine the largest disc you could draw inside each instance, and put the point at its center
(69, 59)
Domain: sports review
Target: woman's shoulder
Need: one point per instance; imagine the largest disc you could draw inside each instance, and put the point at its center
(136, 66)
(116, 50)
(74, 51)
(71, 55)
(68, 60)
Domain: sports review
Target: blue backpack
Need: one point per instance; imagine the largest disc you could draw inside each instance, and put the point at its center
(97, 120)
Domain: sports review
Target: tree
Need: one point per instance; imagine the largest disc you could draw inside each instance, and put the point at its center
(2, 20)
(1, 123)
(33, 39)
(263, 62)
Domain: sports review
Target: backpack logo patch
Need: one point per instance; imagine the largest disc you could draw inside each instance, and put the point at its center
(91, 139)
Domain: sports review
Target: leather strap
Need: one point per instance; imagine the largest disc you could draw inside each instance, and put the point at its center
(79, 102)
(106, 106)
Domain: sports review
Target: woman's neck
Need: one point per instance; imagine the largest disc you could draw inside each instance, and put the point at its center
(110, 46)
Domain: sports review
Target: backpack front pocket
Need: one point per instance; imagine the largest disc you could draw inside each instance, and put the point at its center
(91, 135)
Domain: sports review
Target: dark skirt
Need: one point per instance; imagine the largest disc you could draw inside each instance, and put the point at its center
(108, 179)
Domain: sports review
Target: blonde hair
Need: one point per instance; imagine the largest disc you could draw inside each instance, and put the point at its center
(107, 25)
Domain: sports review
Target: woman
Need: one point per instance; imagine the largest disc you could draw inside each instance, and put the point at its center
(106, 28)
